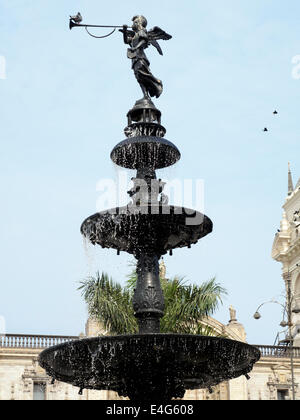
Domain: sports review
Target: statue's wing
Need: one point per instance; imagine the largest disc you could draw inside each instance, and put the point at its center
(157, 33)
(157, 46)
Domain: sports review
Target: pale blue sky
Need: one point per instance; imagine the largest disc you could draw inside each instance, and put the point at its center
(63, 108)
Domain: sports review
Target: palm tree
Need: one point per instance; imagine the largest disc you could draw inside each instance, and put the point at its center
(109, 303)
(186, 306)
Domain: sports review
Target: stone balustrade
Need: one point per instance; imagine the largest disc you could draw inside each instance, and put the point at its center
(27, 341)
(33, 341)
(278, 351)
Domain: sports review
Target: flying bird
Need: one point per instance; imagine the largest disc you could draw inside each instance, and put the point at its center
(275, 112)
(265, 129)
(77, 18)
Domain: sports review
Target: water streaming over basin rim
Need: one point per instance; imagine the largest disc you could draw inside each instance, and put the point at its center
(154, 230)
(145, 151)
(132, 364)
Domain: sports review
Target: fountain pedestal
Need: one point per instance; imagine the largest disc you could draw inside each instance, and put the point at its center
(148, 300)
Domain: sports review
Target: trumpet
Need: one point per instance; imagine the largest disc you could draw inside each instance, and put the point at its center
(75, 21)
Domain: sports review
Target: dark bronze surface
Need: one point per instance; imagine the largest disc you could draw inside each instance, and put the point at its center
(139, 39)
(145, 151)
(149, 367)
(155, 230)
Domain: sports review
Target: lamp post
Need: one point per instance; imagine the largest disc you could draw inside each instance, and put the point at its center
(288, 310)
(289, 314)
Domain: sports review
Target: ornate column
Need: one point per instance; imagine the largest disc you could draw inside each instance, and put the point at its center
(148, 300)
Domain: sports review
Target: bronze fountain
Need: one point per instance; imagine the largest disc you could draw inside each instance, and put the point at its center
(148, 366)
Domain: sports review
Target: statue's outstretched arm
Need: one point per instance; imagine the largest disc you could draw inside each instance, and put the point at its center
(127, 35)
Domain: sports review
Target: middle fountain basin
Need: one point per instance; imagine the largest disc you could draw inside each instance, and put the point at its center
(153, 229)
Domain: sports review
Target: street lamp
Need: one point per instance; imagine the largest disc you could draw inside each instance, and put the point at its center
(287, 309)
(283, 323)
(290, 324)
(257, 315)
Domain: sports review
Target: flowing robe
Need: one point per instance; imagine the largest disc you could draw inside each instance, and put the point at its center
(140, 65)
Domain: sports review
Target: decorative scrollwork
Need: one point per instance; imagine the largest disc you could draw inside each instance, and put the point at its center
(144, 130)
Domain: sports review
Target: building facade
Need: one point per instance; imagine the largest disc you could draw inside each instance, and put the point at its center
(286, 250)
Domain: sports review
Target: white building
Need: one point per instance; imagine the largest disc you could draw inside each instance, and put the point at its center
(286, 249)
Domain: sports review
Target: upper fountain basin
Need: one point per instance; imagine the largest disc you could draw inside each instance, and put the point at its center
(145, 152)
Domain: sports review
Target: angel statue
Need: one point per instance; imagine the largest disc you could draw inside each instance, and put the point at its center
(139, 39)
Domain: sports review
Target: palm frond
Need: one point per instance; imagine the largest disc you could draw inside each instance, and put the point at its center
(187, 305)
(109, 303)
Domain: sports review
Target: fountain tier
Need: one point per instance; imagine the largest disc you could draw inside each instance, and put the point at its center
(153, 229)
(149, 368)
(145, 152)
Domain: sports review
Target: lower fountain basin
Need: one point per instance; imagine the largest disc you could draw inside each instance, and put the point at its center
(149, 367)
(154, 230)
